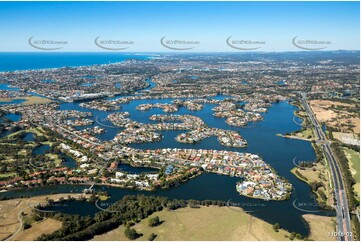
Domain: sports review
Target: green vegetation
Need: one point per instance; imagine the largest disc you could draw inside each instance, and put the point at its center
(182, 177)
(29, 100)
(299, 175)
(131, 233)
(350, 181)
(318, 150)
(316, 185)
(26, 225)
(344, 164)
(154, 221)
(295, 235)
(203, 224)
(152, 236)
(354, 162)
(318, 180)
(276, 227)
(304, 133)
(131, 209)
(356, 227)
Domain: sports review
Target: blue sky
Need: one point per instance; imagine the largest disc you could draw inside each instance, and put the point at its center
(209, 23)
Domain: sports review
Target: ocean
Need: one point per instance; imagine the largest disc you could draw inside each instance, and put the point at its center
(12, 61)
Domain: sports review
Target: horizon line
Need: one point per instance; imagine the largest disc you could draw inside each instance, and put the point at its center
(182, 52)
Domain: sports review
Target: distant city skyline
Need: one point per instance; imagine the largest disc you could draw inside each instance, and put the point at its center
(178, 26)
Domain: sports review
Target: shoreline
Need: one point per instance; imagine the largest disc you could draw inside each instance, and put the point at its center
(18, 208)
(61, 197)
(293, 137)
(146, 55)
(27, 101)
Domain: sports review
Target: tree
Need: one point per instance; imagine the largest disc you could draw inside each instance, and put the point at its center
(154, 221)
(131, 233)
(36, 217)
(26, 225)
(3, 169)
(276, 227)
(152, 236)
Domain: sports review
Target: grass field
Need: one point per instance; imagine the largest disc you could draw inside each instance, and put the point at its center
(29, 100)
(37, 131)
(55, 158)
(321, 227)
(46, 226)
(336, 115)
(354, 164)
(205, 223)
(10, 210)
(31, 130)
(306, 134)
(321, 173)
(9, 174)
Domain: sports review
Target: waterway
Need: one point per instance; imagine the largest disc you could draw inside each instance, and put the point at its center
(67, 160)
(262, 139)
(136, 170)
(11, 61)
(14, 101)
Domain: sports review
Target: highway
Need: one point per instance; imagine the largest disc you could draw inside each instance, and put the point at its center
(344, 229)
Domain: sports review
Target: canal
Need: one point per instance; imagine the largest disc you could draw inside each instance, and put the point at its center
(262, 140)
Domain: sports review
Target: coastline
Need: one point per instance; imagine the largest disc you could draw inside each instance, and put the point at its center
(144, 55)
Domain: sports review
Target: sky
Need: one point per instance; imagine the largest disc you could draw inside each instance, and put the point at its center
(205, 26)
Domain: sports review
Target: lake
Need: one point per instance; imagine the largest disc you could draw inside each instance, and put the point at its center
(261, 137)
(262, 140)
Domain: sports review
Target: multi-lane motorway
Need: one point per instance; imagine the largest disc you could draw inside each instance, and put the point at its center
(344, 229)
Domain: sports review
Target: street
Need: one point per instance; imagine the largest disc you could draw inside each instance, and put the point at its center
(344, 229)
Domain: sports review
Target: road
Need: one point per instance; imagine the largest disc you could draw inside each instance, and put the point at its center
(344, 229)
